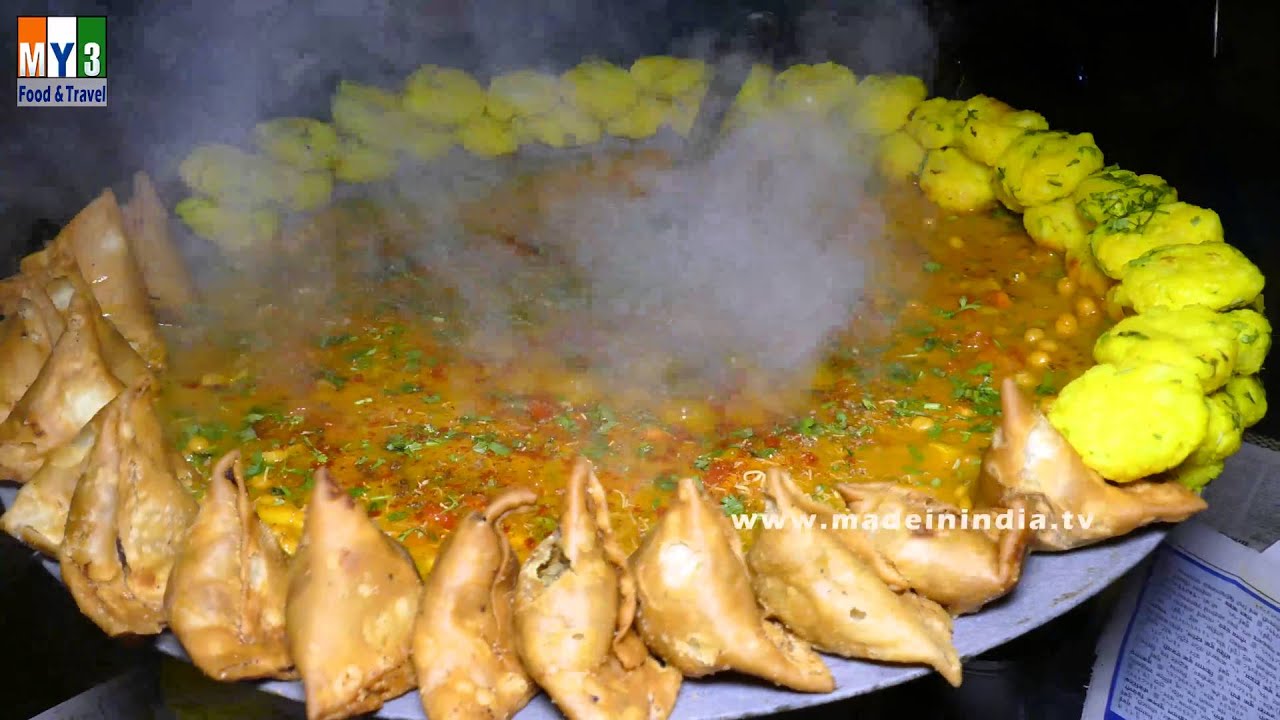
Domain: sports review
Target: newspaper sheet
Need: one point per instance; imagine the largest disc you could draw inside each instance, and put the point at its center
(1196, 635)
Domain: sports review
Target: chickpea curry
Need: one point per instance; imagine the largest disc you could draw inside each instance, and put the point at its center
(389, 393)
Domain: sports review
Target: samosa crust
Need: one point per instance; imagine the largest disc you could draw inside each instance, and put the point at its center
(353, 597)
(164, 272)
(226, 594)
(27, 337)
(697, 610)
(806, 577)
(38, 516)
(1029, 460)
(124, 362)
(959, 567)
(95, 241)
(72, 386)
(574, 608)
(464, 639)
(127, 519)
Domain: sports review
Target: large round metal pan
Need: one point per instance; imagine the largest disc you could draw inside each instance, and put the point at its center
(1051, 584)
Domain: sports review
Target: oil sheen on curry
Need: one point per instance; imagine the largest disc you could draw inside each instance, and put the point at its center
(391, 386)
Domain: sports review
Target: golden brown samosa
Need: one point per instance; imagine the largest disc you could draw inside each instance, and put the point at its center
(574, 608)
(807, 578)
(353, 597)
(27, 335)
(1030, 460)
(127, 520)
(38, 515)
(226, 593)
(125, 363)
(697, 610)
(74, 384)
(464, 639)
(961, 566)
(146, 224)
(95, 241)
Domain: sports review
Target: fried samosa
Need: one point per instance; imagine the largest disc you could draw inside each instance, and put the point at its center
(127, 520)
(464, 639)
(125, 363)
(164, 272)
(697, 610)
(226, 593)
(353, 597)
(574, 607)
(1030, 460)
(27, 336)
(72, 386)
(959, 567)
(809, 579)
(95, 241)
(38, 516)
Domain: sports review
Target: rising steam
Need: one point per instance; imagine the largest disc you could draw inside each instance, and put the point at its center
(754, 256)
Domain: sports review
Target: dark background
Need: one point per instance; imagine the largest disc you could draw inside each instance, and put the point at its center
(1187, 89)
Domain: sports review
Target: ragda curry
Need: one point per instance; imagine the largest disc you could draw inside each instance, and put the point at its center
(383, 495)
(421, 432)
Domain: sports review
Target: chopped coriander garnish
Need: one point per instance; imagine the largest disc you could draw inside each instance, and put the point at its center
(732, 505)
(964, 304)
(329, 341)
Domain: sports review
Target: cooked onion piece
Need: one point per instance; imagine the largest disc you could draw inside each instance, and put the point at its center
(226, 592)
(464, 639)
(353, 596)
(95, 240)
(27, 335)
(574, 607)
(146, 224)
(127, 518)
(1030, 460)
(697, 610)
(808, 578)
(38, 515)
(74, 384)
(959, 567)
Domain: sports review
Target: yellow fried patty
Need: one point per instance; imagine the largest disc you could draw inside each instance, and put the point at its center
(1119, 241)
(1194, 338)
(1131, 422)
(1215, 275)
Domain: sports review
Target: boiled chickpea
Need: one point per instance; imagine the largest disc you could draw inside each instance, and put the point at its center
(921, 423)
(1087, 308)
(1024, 379)
(1066, 325)
(1017, 277)
(1038, 359)
(197, 444)
(1048, 345)
(1066, 286)
(955, 241)
(1033, 335)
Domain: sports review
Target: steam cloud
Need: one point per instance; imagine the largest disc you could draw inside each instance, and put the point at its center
(755, 254)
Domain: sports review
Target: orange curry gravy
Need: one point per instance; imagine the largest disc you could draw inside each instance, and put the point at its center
(421, 431)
